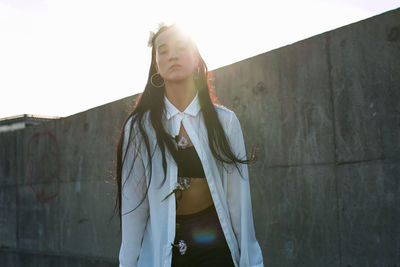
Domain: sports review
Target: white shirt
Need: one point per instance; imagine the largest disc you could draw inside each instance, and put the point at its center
(149, 231)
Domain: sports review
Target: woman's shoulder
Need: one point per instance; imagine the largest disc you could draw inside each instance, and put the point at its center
(133, 119)
(229, 120)
(224, 113)
(222, 110)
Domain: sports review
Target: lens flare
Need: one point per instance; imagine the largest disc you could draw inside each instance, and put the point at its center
(204, 236)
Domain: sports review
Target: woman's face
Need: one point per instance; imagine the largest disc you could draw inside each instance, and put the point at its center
(175, 57)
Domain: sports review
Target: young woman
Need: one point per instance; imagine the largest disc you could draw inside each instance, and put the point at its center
(183, 185)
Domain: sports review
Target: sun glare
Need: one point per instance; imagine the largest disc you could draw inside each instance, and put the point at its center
(63, 57)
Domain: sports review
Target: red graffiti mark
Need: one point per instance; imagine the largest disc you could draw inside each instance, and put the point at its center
(44, 166)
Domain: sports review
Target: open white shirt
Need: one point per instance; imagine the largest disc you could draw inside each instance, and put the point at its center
(149, 231)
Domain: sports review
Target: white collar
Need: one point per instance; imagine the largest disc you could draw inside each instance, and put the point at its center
(192, 109)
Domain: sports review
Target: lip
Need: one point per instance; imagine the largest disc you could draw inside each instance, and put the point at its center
(175, 66)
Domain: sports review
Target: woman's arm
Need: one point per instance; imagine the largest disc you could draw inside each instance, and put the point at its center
(133, 188)
(239, 200)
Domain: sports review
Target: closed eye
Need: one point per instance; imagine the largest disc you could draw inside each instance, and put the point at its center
(162, 49)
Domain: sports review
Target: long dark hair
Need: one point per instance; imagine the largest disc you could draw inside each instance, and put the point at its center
(152, 100)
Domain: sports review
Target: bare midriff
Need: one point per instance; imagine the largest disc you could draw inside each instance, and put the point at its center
(197, 197)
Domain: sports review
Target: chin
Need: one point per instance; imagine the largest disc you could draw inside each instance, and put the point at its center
(178, 78)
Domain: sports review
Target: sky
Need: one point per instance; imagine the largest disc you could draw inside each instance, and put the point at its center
(59, 58)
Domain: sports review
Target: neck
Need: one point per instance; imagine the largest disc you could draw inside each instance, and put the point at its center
(180, 94)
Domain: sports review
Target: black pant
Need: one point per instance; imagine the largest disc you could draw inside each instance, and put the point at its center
(204, 239)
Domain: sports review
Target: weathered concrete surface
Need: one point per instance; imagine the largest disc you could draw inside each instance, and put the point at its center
(295, 210)
(364, 63)
(324, 114)
(285, 91)
(20, 258)
(57, 193)
(8, 216)
(369, 198)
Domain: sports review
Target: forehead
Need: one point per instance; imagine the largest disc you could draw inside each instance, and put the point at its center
(169, 36)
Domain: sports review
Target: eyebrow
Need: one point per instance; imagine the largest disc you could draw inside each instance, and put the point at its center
(164, 44)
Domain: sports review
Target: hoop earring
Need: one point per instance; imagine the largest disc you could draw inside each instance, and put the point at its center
(152, 83)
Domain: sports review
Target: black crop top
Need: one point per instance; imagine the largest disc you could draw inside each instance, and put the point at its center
(189, 163)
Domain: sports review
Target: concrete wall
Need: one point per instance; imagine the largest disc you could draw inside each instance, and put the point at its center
(56, 192)
(325, 115)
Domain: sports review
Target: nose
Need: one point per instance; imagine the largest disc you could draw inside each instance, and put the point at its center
(173, 55)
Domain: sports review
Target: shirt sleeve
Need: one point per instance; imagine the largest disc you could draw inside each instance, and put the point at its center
(133, 185)
(239, 200)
